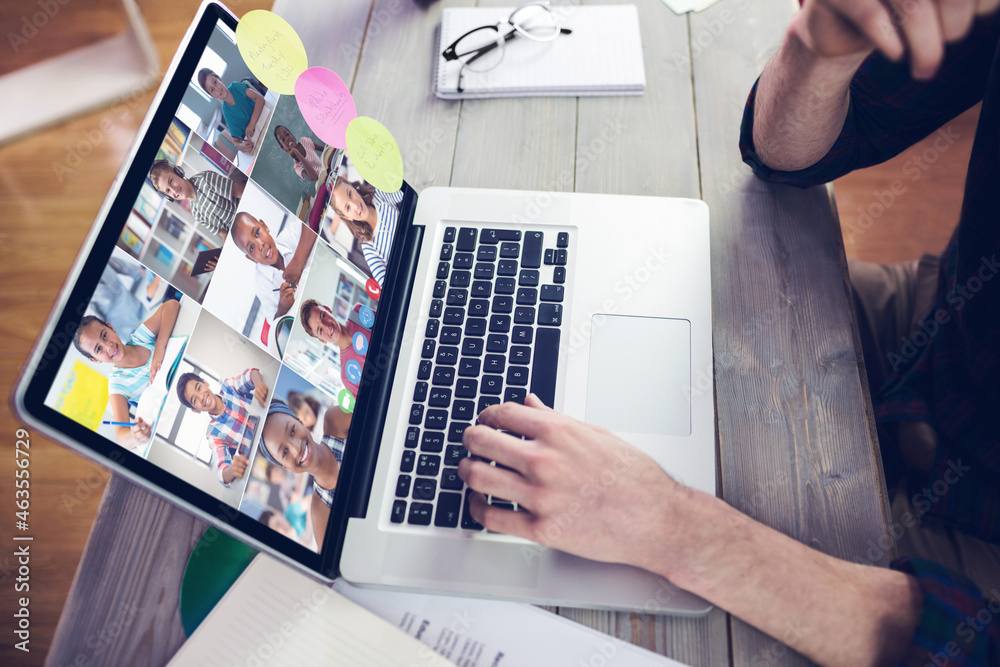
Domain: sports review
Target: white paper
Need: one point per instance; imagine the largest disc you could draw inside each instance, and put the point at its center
(684, 6)
(490, 633)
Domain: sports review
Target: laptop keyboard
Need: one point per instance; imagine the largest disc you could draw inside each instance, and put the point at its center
(492, 335)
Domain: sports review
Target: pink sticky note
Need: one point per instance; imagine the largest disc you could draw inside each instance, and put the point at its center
(326, 104)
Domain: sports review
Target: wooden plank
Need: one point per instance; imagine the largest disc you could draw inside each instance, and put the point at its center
(797, 448)
(123, 608)
(333, 37)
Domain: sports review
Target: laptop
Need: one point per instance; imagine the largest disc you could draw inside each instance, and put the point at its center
(365, 330)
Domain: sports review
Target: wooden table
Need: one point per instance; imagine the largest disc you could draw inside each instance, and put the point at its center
(796, 437)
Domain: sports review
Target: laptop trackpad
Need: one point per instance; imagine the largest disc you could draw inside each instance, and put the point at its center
(639, 380)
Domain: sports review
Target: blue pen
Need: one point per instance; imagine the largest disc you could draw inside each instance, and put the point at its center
(120, 423)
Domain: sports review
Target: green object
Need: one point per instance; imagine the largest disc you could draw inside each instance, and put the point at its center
(215, 564)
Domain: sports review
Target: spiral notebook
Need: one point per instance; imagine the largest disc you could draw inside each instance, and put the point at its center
(602, 55)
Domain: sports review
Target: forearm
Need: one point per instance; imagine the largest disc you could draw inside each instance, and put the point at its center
(258, 106)
(302, 250)
(168, 318)
(833, 611)
(801, 103)
(227, 475)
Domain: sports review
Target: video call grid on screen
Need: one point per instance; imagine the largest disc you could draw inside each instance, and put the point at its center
(243, 250)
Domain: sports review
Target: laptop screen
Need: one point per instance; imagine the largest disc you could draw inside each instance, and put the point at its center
(225, 340)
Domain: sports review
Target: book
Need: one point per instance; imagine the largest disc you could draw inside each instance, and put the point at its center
(601, 56)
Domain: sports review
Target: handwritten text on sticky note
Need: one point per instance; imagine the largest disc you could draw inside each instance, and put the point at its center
(326, 105)
(375, 153)
(271, 49)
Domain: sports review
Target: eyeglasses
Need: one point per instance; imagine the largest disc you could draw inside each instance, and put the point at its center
(481, 49)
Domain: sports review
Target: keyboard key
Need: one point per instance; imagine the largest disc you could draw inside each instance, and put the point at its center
(494, 236)
(502, 504)
(447, 355)
(499, 324)
(431, 330)
(463, 410)
(543, 371)
(483, 271)
(424, 370)
(437, 306)
(466, 388)
(457, 297)
(444, 376)
(521, 335)
(550, 256)
(503, 304)
(449, 508)
(510, 250)
(454, 453)
(505, 286)
(562, 240)
(428, 351)
(562, 257)
(460, 279)
(420, 514)
(451, 481)
(455, 431)
(440, 397)
(524, 315)
(507, 267)
(491, 385)
(412, 436)
(494, 363)
(469, 367)
(463, 260)
(406, 464)
(420, 392)
(528, 278)
(515, 394)
(416, 413)
(519, 354)
(496, 343)
(466, 239)
(435, 419)
(444, 268)
(517, 376)
(472, 347)
(446, 251)
(454, 316)
(424, 489)
(468, 523)
(551, 293)
(531, 257)
(428, 464)
(403, 486)
(487, 401)
(439, 289)
(398, 511)
(475, 326)
(550, 314)
(486, 254)
(527, 296)
(481, 289)
(451, 335)
(433, 441)
(479, 308)
(559, 274)
(449, 234)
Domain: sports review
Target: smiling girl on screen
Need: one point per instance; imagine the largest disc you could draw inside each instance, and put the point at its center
(371, 215)
(286, 442)
(136, 363)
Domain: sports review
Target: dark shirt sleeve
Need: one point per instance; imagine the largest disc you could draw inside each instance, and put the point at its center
(958, 626)
(889, 112)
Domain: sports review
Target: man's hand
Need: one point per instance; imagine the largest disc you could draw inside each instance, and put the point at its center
(585, 490)
(918, 29)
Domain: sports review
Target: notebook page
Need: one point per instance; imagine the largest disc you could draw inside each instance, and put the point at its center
(603, 55)
(274, 615)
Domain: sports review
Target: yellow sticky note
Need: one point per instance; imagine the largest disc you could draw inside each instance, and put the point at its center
(271, 49)
(84, 396)
(375, 153)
